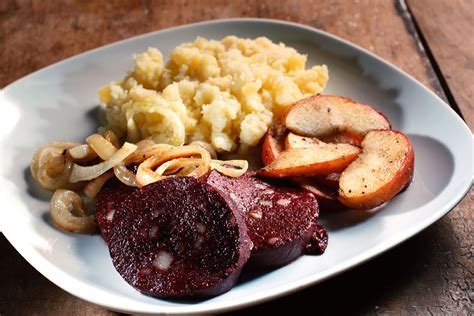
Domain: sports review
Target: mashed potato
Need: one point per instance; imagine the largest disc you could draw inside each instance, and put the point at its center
(223, 92)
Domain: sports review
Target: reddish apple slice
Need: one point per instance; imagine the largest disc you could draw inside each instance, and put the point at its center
(325, 115)
(273, 143)
(296, 141)
(311, 161)
(383, 169)
(329, 180)
(327, 199)
(344, 137)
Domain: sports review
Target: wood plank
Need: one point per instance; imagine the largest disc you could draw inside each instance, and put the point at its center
(429, 273)
(37, 33)
(448, 27)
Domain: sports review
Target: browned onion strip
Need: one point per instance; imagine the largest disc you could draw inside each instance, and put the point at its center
(112, 138)
(94, 186)
(146, 149)
(125, 176)
(101, 146)
(50, 167)
(82, 153)
(67, 213)
(146, 175)
(226, 167)
(177, 164)
(81, 173)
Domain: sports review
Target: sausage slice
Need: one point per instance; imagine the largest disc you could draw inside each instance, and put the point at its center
(281, 220)
(178, 238)
(113, 195)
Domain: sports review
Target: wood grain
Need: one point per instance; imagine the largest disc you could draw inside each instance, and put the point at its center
(431, 273)
(447, 27)
(36, 33)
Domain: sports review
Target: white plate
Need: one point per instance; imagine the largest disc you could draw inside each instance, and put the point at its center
(58, 101)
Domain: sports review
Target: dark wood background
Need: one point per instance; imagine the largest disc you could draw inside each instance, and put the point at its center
(432, 273)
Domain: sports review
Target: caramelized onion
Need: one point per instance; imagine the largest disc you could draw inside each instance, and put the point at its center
(67, 213)
(82, 153)
(145, 149)
(94, 186)
(50, 167)
(125, 176)
(103, 148)
(112, 138)
(178, 164)
(146, 175)
(80, 173)
(231, 168)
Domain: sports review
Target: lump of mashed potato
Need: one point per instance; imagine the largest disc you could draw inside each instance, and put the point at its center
(223, 92)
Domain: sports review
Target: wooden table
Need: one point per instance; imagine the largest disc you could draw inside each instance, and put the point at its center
(432, 40)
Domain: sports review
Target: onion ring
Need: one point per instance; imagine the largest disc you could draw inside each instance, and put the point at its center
(175, 165)
(101, 146)
(94, 186)
(80, 173)
(50, 166)
(145, 149)
(82, 153)
(230, 168)
(125, 176)
(110, 136)
(67, 213)
(145, 174)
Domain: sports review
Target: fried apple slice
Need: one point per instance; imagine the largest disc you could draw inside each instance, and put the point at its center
(273, 143)
(383, 169)
(327, 198)
(311, 161)
(344, 137)
(296, 141)
(330, 180)
(326, 115)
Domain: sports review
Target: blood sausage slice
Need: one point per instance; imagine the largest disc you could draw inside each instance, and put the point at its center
(113, 195)
(281, 220)
(178, 238)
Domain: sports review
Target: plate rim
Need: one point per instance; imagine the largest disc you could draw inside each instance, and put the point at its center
(58, 277)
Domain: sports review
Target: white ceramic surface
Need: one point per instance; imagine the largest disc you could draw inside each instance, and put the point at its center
(58, 102)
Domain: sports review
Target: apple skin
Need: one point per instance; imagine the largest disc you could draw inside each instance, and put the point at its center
(302, 162)
(344, 137)
(398, 182)
(314, 117)
(330, 180)
(296, 141)
(327, 197)
(273, 143)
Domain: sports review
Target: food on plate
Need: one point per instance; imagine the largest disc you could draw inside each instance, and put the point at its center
(224, 92)
(178, 238)
(175, 201)
(311, 161)
(327, 197)
(281, 220)
(383, 169)
(320, 127)
(296, 141)
(330, 180)
(344, 137)
(113, 196)
(49, 166)
(325, 115)
(67, 212)
(87, 167)
(273, 143)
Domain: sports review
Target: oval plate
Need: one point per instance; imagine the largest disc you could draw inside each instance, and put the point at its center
(58, 102)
